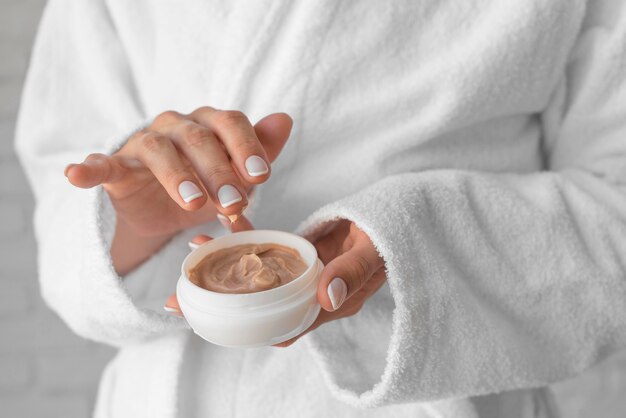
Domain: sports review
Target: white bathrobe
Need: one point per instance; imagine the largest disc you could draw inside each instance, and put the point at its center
(480, 144)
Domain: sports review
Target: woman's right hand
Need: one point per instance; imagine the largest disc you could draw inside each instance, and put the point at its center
(183, 170)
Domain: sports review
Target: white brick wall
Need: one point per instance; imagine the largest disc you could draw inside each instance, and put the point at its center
(45, 370)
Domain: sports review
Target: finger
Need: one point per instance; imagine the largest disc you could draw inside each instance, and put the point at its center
(235, 131)
(346, 274)
(375, 282)
(198, 240)
(201, 239)
(171, 306)
(237, 224)
(241, 224)
(334, 242)
(159, 155)
(95, 170)
(273, 132)
(208, 158)
(328, 247)
(370, 287)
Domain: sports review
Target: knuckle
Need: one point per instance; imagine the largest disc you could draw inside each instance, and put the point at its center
(355, 230)
(137, 136)
(95, 157)
(230, 117)
(218, 173)
(246, 145)
(359, 269)
(167, 117)
(202, 110)
(196, 136)
(174, 175)
(152, 142)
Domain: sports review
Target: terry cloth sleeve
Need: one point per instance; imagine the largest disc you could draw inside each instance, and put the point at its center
(80, 98)
(496, 281)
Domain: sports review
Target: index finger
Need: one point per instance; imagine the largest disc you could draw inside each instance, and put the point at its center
(273, 131)
(239, 138)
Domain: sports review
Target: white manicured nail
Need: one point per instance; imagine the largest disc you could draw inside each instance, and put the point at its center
(224, 221)
(256, 166)
(172, 311)
(228, 195)
(337, 292)
(189, 191)
(193, 246)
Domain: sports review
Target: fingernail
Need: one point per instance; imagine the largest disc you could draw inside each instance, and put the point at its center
(224, 221)
(192, 245)
(172, 311)
(337, 292)
(256, 166)
(189, 191)
(228, 195)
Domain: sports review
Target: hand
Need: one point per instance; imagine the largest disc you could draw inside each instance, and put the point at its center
(353, 272)
(160, 179)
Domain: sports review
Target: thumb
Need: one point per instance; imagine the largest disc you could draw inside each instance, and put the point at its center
(273, 132)
(346, 274)
(95, 170)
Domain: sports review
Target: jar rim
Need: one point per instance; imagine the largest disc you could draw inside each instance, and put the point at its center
(266, 308)
(252, 299)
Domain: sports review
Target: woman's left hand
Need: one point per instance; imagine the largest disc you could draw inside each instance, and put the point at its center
(353, 272)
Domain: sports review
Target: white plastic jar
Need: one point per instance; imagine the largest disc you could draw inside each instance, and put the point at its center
(251, 319)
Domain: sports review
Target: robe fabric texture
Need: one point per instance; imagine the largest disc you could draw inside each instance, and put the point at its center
(480, 144)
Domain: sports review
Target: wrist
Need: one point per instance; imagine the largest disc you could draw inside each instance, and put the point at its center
(130, 249)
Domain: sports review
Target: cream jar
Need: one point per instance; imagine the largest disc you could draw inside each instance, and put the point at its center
(251, 319)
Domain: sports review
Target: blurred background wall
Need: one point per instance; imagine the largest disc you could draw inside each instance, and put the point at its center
(45, 370)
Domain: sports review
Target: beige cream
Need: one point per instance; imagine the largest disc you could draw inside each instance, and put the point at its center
(248, 268)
